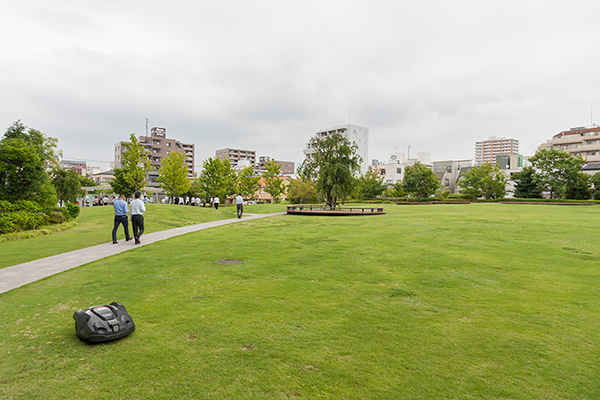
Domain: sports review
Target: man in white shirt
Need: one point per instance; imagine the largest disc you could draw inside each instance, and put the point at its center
(239, 203)
(216, 202)
(137, 209)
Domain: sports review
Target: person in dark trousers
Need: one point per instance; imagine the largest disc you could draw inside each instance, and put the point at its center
(239, 203)
(120, 218)
(137, 209)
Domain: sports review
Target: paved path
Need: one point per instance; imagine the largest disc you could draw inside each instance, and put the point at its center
(22, 274)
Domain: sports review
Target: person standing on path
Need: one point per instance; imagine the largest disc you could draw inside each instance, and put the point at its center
(216, 202)
(120, 218)
(137, 210)
(239, 203)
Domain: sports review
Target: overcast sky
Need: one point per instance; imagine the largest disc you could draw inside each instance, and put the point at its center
(435, 75)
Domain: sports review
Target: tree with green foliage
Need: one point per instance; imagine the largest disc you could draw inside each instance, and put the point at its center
(67, 184)
(396, 190)
(370, 185)
(273, 182)
(119, 184)
(172, 175)
(301, 191)
(24, 156)
(334, 164)
(595, 181)
(135, 166)
(247, 183)
(86, 181)
(197, 189)
(527, 184)
(218, 178)
(555, 168)
(419, 181)
(578, 187)
(486, 181)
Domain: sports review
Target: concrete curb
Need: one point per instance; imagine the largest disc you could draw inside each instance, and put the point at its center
(21, 274)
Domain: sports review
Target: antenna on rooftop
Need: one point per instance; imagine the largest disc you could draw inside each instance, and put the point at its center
(147, 121)
(592, 114)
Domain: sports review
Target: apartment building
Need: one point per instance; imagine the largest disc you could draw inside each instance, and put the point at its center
(236, 155)
(583, 141)
(158, 147)
(355, 134)
(487, 150)
(286, 167)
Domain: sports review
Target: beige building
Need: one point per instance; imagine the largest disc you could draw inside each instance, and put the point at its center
(236, 155)
(583, 141)
(158, 146)
(286, 167)
(487, 150)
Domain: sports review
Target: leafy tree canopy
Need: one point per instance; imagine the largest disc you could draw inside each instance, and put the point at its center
(334, 164)
(67, 184)
(247, 182)
(301, 191)
(527, 184)
(273, 182)
(172, 175)
(419, 181)
(370, 185)
(24, 155)
(486, 181)
(136, 165)
(554, 169)
(218, 178)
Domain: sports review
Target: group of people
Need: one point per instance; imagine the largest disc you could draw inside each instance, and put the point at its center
(136, 210)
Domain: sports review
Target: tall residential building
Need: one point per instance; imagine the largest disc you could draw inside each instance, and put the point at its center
(235, 155)
(583, 141)
(355, 134)
(487, 150)
(158, 146)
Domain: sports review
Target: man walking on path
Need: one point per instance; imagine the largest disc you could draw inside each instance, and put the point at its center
(137, 218)
(120, 218)
(239, 203)
(216, 202)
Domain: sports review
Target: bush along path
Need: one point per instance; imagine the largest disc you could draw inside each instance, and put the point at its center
(22, 274)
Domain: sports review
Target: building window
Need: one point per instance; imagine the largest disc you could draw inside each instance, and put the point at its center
(446, 182)
(168, 144)
(398, 170)
(448, 169)
(382, 172)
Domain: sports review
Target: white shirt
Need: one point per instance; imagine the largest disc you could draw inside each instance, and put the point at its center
(216, 200)
(239, 200)
(137, 207)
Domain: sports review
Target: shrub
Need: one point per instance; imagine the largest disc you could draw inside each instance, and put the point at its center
(71, 211)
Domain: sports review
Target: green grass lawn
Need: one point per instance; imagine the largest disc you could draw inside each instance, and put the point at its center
(479, 301)
(95, 224)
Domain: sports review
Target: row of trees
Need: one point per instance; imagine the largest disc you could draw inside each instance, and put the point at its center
(218, 177)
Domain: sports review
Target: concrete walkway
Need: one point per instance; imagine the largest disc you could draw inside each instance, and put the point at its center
(22, 274)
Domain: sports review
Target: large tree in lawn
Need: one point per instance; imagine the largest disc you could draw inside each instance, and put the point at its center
(172, 175)
(419, 181)
(218, 178)
(334, 164)
(555, 168)
(485, 180)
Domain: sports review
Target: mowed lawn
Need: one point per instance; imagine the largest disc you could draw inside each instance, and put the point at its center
(94, 226)
(479, 301)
